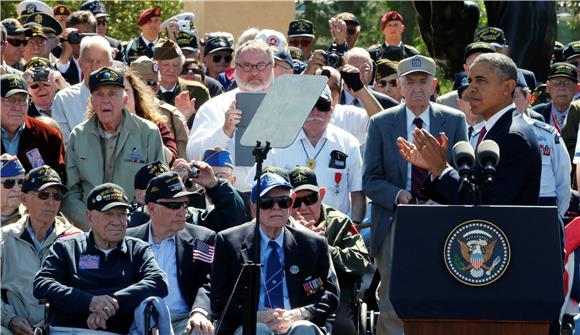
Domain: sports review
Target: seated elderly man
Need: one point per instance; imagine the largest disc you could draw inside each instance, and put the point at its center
(95, 280)
(298, 290)
(25, 244)
(111, 146)
(11, 176)
(347, 249)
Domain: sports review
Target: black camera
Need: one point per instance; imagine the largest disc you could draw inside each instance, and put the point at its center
(193, 172)
(74, 37)
(39, 74)
(333, 56)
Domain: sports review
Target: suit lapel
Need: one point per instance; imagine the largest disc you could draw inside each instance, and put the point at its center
(437, 121)
(400, 130)
(292, 257)
(249, 246)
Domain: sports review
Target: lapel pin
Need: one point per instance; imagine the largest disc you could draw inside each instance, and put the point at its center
(294, 269)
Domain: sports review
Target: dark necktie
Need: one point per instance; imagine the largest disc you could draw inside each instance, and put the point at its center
(45, 112)
(418, 175)
(274, 272)
(481, 136)
(469, 132)
(168, 95)
(150, 47)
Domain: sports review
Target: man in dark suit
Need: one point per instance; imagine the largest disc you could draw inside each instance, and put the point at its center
(387, 178)
(184, 251)
(517, 180)
(298, 289)
(32, 141)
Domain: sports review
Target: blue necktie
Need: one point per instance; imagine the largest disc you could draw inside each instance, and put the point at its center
(274, 271)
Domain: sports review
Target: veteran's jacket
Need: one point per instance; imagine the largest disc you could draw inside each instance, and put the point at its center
(139, 143)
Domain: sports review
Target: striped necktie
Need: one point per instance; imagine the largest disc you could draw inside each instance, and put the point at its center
(274, 272)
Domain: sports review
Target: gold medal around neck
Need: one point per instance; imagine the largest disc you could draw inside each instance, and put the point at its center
(311, 163)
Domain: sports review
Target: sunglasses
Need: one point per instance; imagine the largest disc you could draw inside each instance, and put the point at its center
(268, 202)
(304, 43)
(193, 71)
(323, 105)
(308, 200)
(152, 83)
(9, 183)
(218, 58)
(17, 43)
(56, 196)
(383, 82)
(173, 204)
(102, 22)
(351, 31)
(36, 86)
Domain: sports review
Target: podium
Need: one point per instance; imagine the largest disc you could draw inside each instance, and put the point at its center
(477, 270)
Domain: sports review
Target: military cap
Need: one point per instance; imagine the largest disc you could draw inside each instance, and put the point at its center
(572, 50)
(218, 157)
(564, 70)
(300, 27)
(37, 62)
(167, 185)
(28, 7)
(14, 27)
(186, 40)
(10, 166)
(147, 14)
(390, 16)
(476, 47)
(165, 50)
(303, 178)
(11, 84)
(96, 7)
(284, 55)
(61, 10)
(106, 196)
(36, 29)
(417, 63)
(462, 86)
(493, 36)
(218, 41)
(385, 68)
(144, 67)
(105, 76)
(348, 17)
(46, 21)
(148, 172)
(41, 178)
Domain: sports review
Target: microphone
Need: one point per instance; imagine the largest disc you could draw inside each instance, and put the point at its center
(488, 157)
(463, 159)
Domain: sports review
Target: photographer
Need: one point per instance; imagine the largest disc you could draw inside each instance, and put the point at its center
(79, 25)
(43, 82)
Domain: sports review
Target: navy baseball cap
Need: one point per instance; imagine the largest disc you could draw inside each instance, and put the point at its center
(41, 178)
(105, 76)
(269, 181)
(11, 84)
(148, 172)
(106, 196)
(166, 186)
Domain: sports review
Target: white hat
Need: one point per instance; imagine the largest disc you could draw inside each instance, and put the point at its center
(273, 38)
(179, 17)
(28, 7)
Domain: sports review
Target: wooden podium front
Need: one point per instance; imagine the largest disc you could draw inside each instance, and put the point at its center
(475, 327)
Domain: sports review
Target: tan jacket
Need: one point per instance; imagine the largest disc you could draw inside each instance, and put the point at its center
(19, 262)
(177, 124)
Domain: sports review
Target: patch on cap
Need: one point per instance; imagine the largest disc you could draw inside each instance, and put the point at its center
(565, 70)
(303, 178)
(40, 178)
(492, 35)
(300, 28)
(105, 76)
(107, 196)
(417, 63)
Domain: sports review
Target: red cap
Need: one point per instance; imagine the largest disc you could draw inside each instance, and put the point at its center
(390, 16)
(147, 14)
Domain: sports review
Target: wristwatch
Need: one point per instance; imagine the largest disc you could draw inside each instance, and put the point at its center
(306, 315)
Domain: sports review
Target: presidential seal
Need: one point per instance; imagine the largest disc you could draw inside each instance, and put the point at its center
(477, 253)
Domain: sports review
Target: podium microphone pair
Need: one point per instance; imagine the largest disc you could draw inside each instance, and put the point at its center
(464, 160)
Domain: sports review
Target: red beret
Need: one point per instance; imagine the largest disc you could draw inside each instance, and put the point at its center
(390, 16)
(147, 14)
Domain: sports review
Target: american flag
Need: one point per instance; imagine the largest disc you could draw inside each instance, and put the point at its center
(202, 251)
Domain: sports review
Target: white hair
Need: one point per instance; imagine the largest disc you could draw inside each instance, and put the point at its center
(98, 42)
(358, 52)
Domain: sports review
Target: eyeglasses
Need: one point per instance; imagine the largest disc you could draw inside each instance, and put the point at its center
(383, 83)
(218, 58)
(9, 183)
(173, 204)
(296, 43)
(38, 85)
(56, 196)
(308, 200)
(351, 31)
(563, 83)
(323, 105)
(152, 83)
(193, 71)
(268, 202)
(15, 103)
(16, 42)
(102, 22)
(248, 67)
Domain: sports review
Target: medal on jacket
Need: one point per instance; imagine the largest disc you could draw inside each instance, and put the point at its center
(337, 179)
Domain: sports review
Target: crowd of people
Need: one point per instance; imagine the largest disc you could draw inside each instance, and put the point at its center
(120, 187)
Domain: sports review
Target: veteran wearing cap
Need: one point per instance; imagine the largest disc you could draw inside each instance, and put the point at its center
(111, 146)
(571, 54)
(36, 46)
(114, 273)
(137, 213)
(392, 47)
(50, 27)
(16, 41)
(301, 35)
(388, 179)
(150, 25)
(11, 177)
(32, 141)
(43, 82)
(172, 89)
(217, 55)
(27, 242)
(184, 252)
(386, 79)
(347, 249)
(298, 289)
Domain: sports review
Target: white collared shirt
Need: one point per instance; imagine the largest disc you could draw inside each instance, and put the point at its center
(147, 41)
